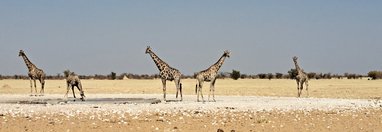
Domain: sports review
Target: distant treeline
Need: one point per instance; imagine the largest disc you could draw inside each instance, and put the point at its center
(235, 74)
(111, 76)
(293, 73)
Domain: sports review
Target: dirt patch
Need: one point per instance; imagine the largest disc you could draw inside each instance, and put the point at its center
(6, 86)
(61, 101)
(228, 113)
(362, 120)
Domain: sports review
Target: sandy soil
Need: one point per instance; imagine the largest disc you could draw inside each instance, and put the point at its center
(239, 113)
(242, 105)
(333, 88)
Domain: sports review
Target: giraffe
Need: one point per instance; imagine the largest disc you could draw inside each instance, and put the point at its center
(166, 73)
(209, 75)
(301, 78)
(34, 73)
(73, 80)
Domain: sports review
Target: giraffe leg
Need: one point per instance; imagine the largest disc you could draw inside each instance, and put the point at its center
(180, 90)
(298, 88)
(209, 93)
(200, 90)
(79, 87)
(177, 88)
(74, 95)
(30, 80)
(67, 91)
(301, 88)
(213, 90)
(35, 87)
(196, 91)
(306, 85)
(177, 92)
(42, 81)
(164, 89)
(42, 87)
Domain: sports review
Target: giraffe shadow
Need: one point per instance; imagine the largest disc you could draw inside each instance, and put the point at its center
(173, 101)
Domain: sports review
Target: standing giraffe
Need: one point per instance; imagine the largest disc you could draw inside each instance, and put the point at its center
(301, 78)
(34, 73)
(166, 73)
(209, 75)
(73, 80)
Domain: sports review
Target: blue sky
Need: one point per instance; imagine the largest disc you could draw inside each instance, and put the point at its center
(98, 37)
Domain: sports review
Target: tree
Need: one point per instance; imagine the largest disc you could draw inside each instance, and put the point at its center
(311, 75)
(270, 76)
(113, 75)
(243, 76)
(292, 73)
(235, 74)
(375, 74)
(66, 73)
(279, 75)
(262, 75)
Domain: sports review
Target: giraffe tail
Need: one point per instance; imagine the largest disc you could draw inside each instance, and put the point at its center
(196, 88)
(180, 87)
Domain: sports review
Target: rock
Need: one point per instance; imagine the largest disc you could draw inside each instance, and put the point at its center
(220, 130)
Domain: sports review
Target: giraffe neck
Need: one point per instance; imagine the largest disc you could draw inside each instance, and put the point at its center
(298, 69)
(29, 64)
(158, 62)
(219, 63)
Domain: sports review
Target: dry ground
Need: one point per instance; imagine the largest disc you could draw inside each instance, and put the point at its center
(362, 120)
(240, 107)
(334, 88)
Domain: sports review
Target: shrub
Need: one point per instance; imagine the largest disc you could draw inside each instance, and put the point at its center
(327, 76)
(279, 75)
(270, 76)
(292, 73)
(113, 75)
(243, 76)
(235, 74)
(262, 75)
(375, 74)
(311, 75)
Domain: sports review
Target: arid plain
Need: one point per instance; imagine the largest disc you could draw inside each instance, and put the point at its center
(242, 105)
(324, 88)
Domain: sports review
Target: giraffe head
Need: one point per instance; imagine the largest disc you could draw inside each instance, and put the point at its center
(295, 58)
(227, 53)
(21, 53)
(148, 49)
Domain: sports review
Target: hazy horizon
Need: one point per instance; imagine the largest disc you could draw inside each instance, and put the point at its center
(99, 37)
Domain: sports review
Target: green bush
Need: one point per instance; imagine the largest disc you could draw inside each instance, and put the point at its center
(375, 74)
(243, 76)
(292, 73)
(270, 76)
(113, 75)
(279, 75)
(311, 75)
(262, 75)
(235, 74)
